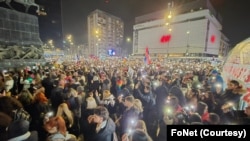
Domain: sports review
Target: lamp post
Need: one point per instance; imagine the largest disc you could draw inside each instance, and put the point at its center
(169, 19)
(188, 36)
(69, 42)
(128, 45)
(187, 50)
(51, 44)
(169, 30)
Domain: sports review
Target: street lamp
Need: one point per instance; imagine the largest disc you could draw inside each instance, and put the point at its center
(69, 42)
(169, 19)
(170, 12)
(51, 44)
(187, 50)
(128, 40)
(128, 47)
(69, 37)
(169, 30)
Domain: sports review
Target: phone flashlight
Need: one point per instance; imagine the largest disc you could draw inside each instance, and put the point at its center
(49, 114)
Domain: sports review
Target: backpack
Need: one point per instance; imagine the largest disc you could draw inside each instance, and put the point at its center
(21, 114)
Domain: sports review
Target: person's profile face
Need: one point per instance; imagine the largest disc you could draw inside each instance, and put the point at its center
(52, 130)
(126, 103)
(97, 119)
(231, 86)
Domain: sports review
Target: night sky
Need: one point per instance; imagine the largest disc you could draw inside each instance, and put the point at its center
(235, 14)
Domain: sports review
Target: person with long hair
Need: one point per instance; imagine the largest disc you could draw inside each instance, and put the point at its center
(40, 98)
(108, 101)
(40, 107)
(139, 107)
(137, 135)
(64, 111)
(57, 129)
(26, 98)
(142, 126)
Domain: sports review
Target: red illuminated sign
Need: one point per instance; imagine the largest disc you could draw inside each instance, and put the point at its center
(165, 38)
(212, 39)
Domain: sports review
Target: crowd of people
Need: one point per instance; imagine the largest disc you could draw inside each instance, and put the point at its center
(116, 99)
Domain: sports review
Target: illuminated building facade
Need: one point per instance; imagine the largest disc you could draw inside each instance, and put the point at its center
(105, 34)
(193, 31)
